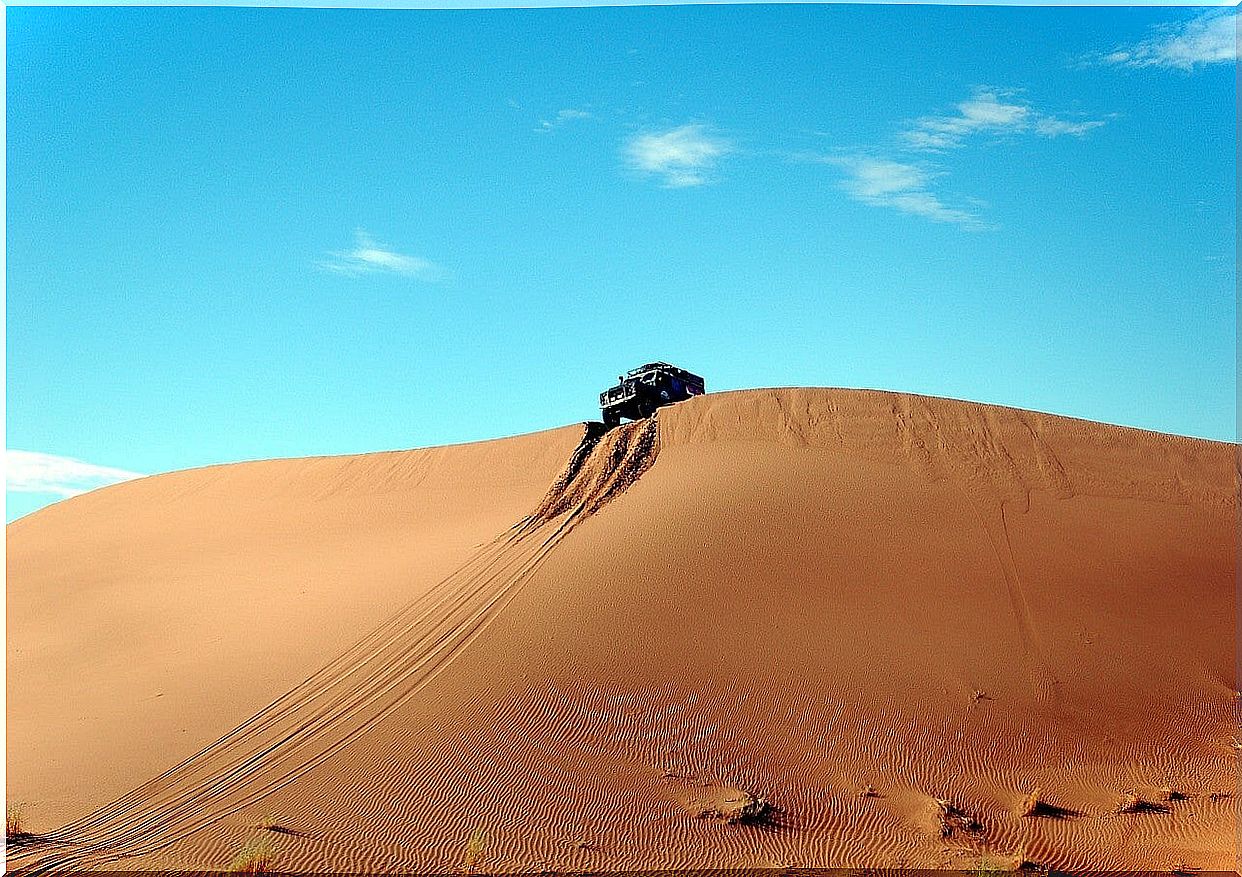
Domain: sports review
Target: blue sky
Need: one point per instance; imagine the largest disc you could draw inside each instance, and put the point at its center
(244, 233)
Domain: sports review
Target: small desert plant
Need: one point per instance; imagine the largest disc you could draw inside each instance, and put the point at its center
(14, 821)
(988, 866)
(256, 857)
(952, 818)
(1031, 803)
(1131, 803)
(474, 850)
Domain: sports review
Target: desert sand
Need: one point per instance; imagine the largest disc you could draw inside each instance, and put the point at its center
(770, 628)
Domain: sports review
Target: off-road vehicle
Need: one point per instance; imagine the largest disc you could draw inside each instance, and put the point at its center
(644, 389)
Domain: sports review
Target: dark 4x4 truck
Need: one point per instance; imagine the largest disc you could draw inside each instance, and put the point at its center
(644, 389)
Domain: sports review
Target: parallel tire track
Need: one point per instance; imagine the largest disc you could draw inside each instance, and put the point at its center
(347, 697)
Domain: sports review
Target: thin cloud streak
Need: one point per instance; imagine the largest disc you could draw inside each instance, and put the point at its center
(988, 110)
(369, 257)
(881, 182)
(873, 178)
(34, 472)
(1049, 126)
(681, 157)
(561, 118)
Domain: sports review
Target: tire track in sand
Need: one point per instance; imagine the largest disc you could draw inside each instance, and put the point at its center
(347, 697)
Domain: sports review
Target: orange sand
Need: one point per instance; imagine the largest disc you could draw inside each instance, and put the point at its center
(518, 657)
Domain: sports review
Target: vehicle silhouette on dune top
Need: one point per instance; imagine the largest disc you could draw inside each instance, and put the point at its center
(642, 390)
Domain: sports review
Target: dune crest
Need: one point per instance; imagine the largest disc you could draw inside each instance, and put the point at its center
(1006, 452)
(593, 651)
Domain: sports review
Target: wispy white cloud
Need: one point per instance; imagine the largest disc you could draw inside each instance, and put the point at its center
(1050, 126)
(562, 117)
(369, 257)
(987, 110)
(33, 472)
(681, 157)
(882, 182)
(873, 176)
(1209, 38)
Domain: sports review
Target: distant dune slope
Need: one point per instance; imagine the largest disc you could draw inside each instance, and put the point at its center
(904, 622)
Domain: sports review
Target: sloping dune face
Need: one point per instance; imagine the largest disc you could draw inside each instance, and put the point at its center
(816, 628)
(147, 619)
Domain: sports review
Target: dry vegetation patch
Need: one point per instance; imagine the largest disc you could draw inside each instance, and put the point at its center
(473, 853)
(1131, 803)
(257, 856)
(728, 805)
(15, 821)
(1034, 805)
(953, 819)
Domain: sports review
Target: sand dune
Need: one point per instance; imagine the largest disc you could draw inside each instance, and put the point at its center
(796, 627)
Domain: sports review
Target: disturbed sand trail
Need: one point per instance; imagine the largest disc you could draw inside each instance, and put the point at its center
(893, 617)
(349, 696)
